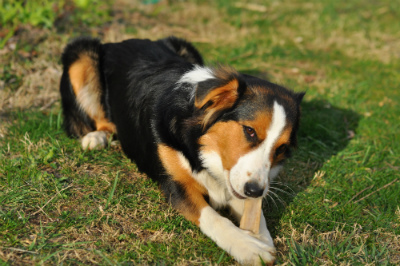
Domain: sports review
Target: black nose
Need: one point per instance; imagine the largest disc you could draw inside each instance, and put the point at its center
(252, 189)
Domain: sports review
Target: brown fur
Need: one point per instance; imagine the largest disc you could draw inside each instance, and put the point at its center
(221, 98)
(219, 139)
(194, 191)
(284, 139)
(86, 86)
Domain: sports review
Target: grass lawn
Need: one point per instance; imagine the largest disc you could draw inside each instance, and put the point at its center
(337, 202)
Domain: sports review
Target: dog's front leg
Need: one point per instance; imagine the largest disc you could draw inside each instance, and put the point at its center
(244, 247)
(241, 244)
(188, 197)
(237, 208)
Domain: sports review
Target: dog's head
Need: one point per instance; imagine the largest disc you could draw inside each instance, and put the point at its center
(249, 124)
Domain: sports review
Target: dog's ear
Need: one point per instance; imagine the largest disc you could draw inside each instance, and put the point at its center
(213, 96)
(299, 97)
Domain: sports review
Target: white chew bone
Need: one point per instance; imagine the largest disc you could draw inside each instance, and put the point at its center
(251, 216)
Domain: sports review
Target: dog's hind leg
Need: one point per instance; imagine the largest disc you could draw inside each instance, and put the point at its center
(86, 85)
(82, 93)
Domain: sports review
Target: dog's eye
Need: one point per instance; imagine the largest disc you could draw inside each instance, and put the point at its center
(250, 133)
(281, 149)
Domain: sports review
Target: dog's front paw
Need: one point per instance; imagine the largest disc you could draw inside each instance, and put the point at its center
(94, 140)
(241, 244)
(252, 251)
(266, 238)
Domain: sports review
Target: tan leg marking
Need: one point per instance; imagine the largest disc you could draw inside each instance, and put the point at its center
(86, 85)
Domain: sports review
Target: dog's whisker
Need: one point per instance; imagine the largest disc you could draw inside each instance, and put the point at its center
(273, 200)
(282, 184)
(278, 198)
(267, 202)
(283, 191)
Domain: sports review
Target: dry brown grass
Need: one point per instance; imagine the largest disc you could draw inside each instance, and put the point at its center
(195, 22)
(40, 72)
(349, 36)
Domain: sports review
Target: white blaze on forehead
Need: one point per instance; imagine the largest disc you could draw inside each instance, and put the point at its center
(196, 75)
(256, 164)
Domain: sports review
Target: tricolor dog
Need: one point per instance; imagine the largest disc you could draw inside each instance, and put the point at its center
(210, 136)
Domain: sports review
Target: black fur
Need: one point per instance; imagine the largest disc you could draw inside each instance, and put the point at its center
(153, 108)
(76, 122)
(128, 72)
(142, 98)
(184, 49)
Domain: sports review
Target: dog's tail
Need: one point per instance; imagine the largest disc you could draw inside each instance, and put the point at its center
(184, 49)
(81, 87)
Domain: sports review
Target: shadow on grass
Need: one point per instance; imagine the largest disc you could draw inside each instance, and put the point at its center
(325, 130)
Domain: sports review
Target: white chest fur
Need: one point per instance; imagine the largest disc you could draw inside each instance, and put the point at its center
(217, 189)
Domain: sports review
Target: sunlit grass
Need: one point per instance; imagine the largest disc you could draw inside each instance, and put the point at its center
(336, 201)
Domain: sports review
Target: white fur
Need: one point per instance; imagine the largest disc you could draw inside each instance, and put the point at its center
(89, 100)
(244, 247)
(196, 75)
(275, 171)
(256, 164)
(94, 140)
(241, 244)
(264, 234)
(212, 162)
(217, 192)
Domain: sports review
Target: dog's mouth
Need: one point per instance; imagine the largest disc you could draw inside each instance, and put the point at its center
(237, 195)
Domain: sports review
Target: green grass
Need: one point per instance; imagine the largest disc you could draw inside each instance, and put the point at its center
(337, 200)
(16, 14)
